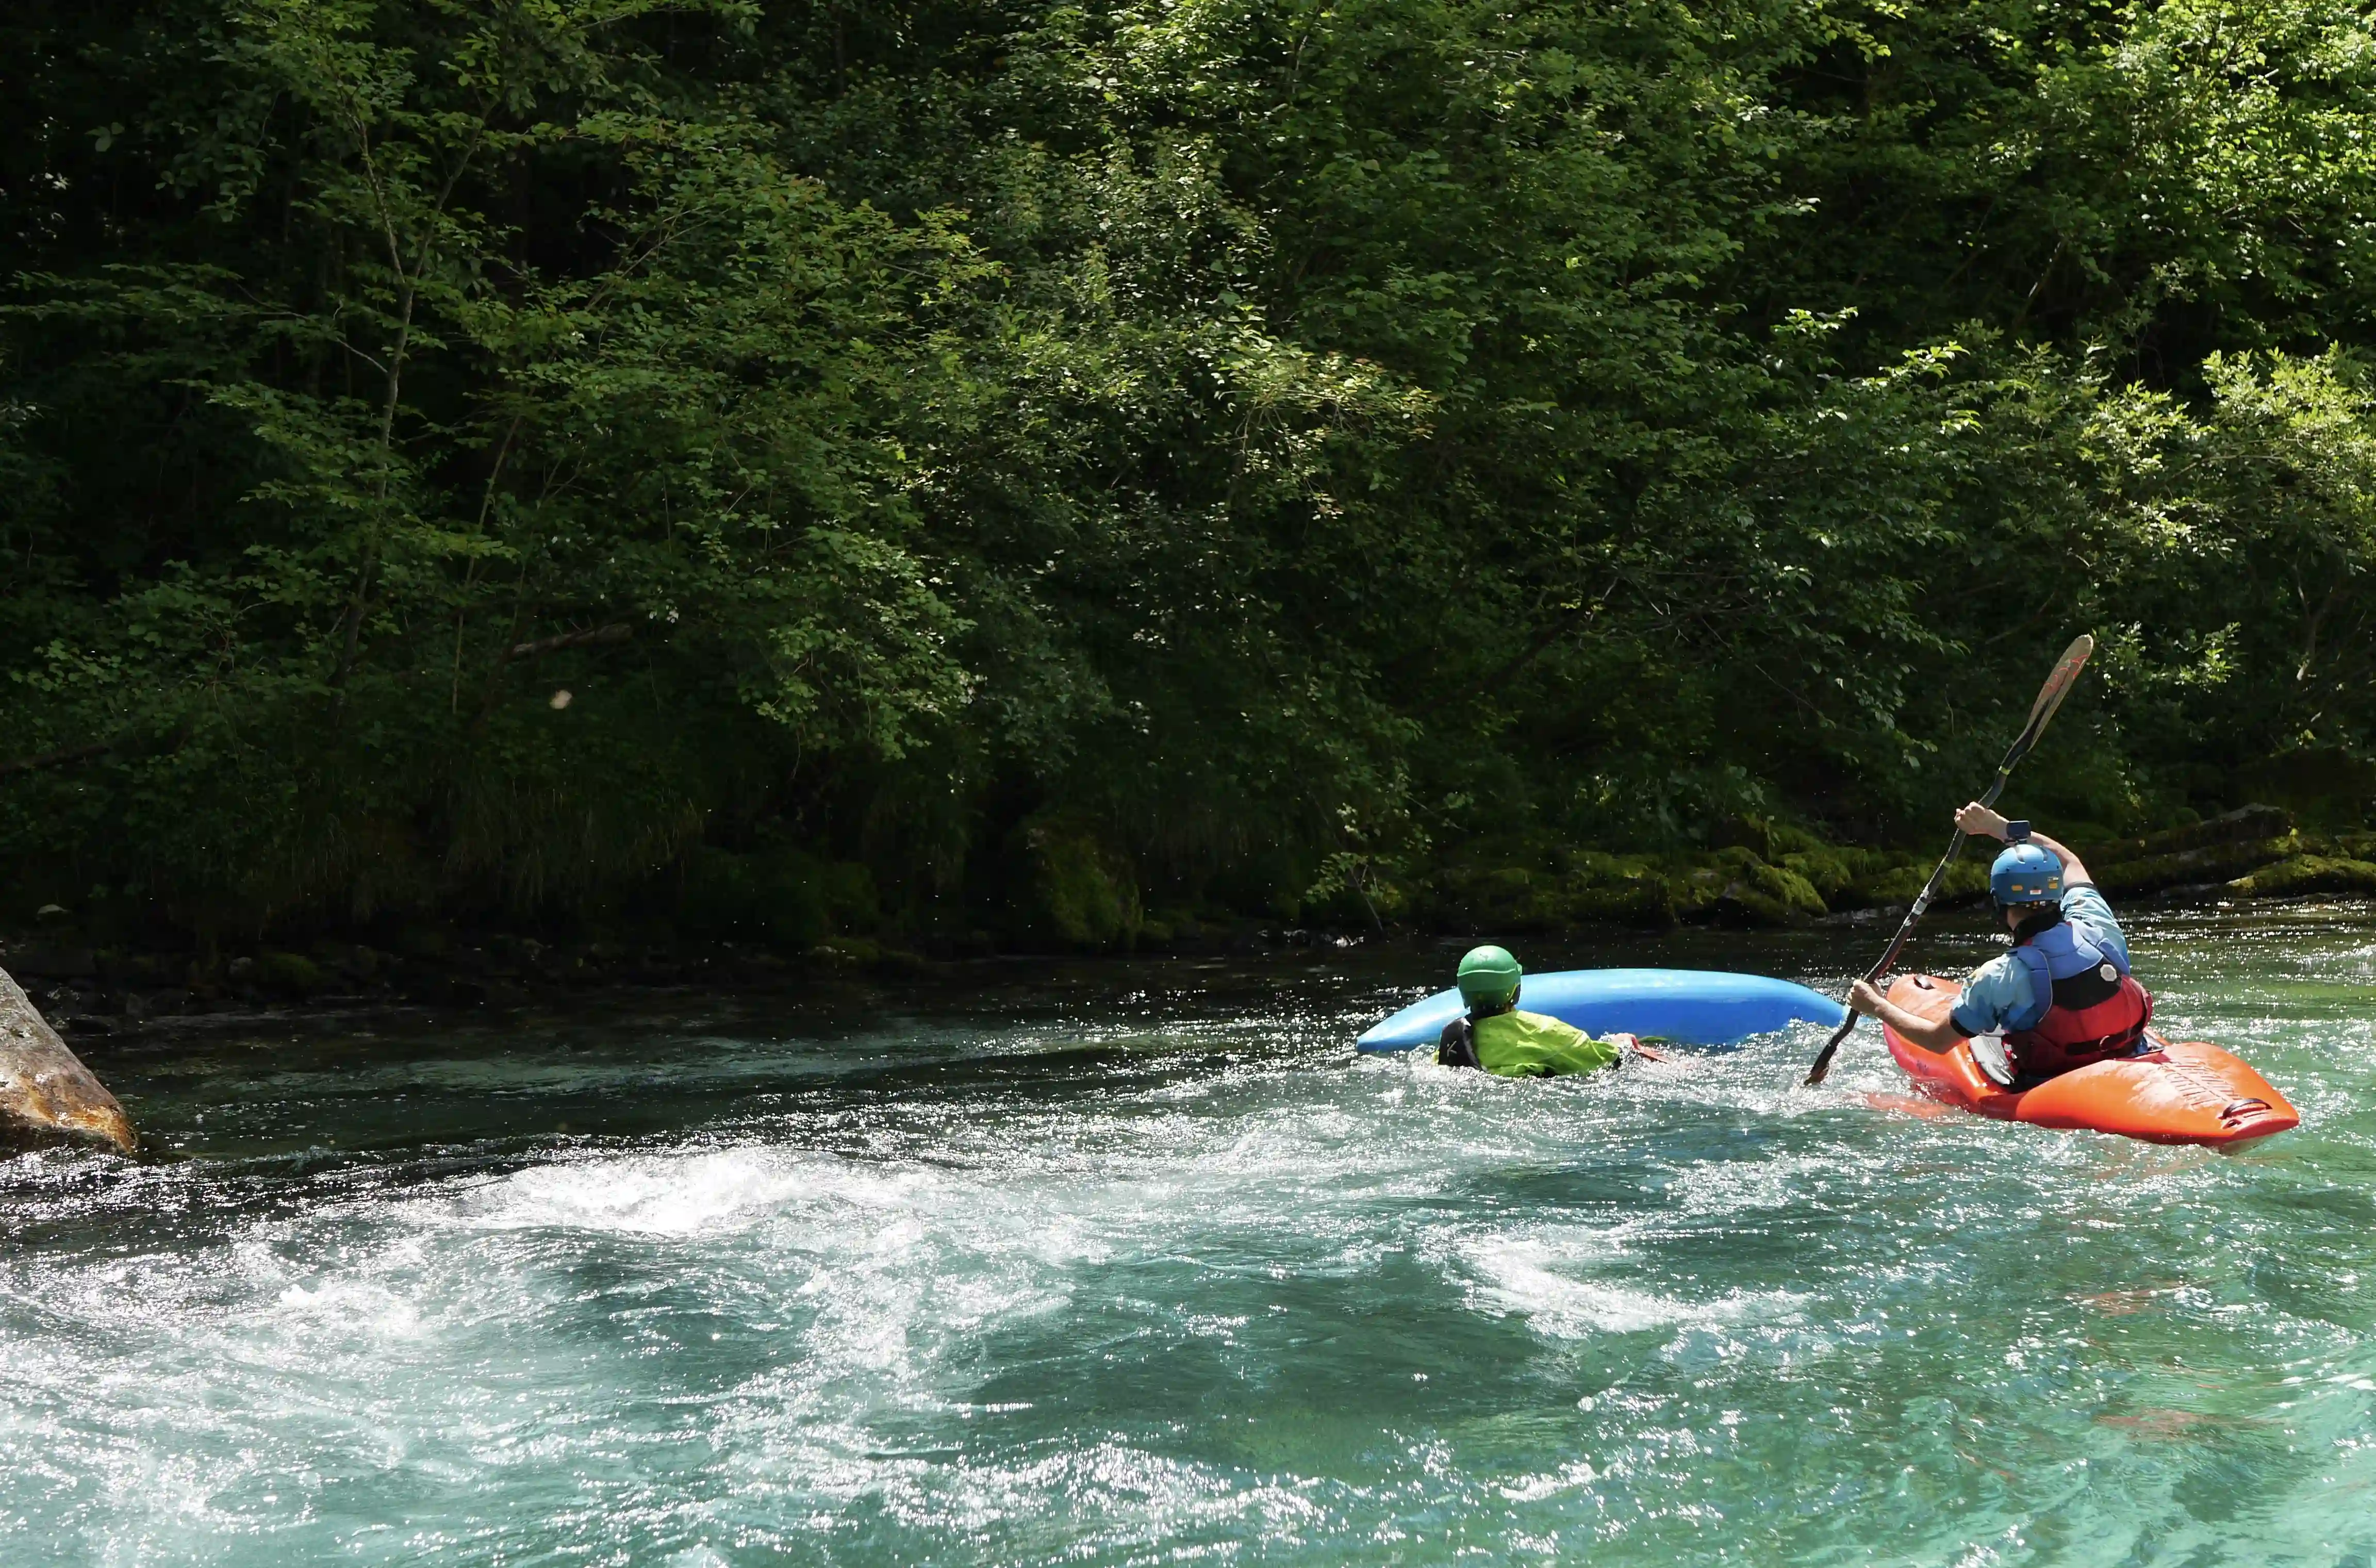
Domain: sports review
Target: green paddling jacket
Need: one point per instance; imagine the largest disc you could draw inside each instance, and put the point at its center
(1530, 1045)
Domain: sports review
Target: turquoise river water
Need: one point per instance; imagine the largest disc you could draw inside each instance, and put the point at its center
(1137, 1264)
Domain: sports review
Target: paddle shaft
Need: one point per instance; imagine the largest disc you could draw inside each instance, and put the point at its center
(1905, 930)
(2049, 697)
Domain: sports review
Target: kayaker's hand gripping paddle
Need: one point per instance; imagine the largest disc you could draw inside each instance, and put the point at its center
(2049, 697)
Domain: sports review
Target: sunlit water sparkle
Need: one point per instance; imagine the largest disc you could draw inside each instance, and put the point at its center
(1133, 1264)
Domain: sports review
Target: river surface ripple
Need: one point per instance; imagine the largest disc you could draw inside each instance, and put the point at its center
(1137, 1264)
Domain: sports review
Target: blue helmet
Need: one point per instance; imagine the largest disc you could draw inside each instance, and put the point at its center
(2026, 874)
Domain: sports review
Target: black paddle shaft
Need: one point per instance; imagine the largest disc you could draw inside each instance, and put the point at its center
(2049, 697)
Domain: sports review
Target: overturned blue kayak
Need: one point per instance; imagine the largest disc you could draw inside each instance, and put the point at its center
(1696, 1006)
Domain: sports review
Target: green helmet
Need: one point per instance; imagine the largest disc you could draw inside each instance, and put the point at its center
(1489, 976)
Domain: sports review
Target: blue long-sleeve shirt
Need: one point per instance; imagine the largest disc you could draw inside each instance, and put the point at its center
(2000, 990)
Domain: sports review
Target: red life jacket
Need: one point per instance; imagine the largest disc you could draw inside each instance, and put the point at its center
(2088, 1007)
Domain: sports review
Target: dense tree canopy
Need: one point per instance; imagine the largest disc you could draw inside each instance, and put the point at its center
(541, 454)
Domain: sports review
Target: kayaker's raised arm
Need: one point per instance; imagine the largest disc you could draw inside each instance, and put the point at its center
(1985, 822)
(1938, 1036)
(2074, 870)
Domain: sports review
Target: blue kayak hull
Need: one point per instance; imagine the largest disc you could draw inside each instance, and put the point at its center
(1696, 1006)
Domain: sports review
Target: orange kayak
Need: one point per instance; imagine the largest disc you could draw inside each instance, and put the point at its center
(2185, 1092)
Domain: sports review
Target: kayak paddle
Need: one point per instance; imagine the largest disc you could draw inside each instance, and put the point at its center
(2049, 697)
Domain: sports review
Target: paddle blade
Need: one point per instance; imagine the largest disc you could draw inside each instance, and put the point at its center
(2050, 696)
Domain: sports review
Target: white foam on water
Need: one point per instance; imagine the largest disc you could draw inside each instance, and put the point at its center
(681, 1194)
(348, 1308)
(431, 1335)
(1715, 1188)
(1120, 1502)
(1170, 1320)
(1553, 1279)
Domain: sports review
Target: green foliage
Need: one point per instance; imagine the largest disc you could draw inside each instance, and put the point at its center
(797, 471)
(1073, 891)
(291, 973)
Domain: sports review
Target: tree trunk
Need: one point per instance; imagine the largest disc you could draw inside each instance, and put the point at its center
(47, 1095)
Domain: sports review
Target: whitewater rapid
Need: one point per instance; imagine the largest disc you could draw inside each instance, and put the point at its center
(1157, 1271)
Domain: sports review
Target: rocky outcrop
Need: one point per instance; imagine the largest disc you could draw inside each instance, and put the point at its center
(47, 1095)
(2298, 875)
(2255, 851)
(1569, 888)
(1081, 893)
(2252, 853)
(1740, 890)
(2219, 850)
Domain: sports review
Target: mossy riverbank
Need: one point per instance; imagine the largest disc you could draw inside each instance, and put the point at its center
(2257, 851)
(751, 922)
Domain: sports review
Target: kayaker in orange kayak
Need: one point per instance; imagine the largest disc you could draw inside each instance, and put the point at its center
(2063, 997)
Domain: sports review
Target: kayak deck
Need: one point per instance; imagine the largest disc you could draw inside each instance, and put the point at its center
(2180, 1092)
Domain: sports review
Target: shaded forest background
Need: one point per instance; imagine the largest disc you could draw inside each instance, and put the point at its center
(1025, 469)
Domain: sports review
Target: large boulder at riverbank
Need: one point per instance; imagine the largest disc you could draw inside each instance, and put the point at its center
(1890, 879)
(1589, 889)
(2308, 873)
(2200, 854)
(1585, 887)
(1740, 890)
(1077, 892)
(47, 1095)
(2254, 851)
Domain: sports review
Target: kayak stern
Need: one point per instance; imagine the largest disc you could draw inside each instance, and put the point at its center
(2179, 1092)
